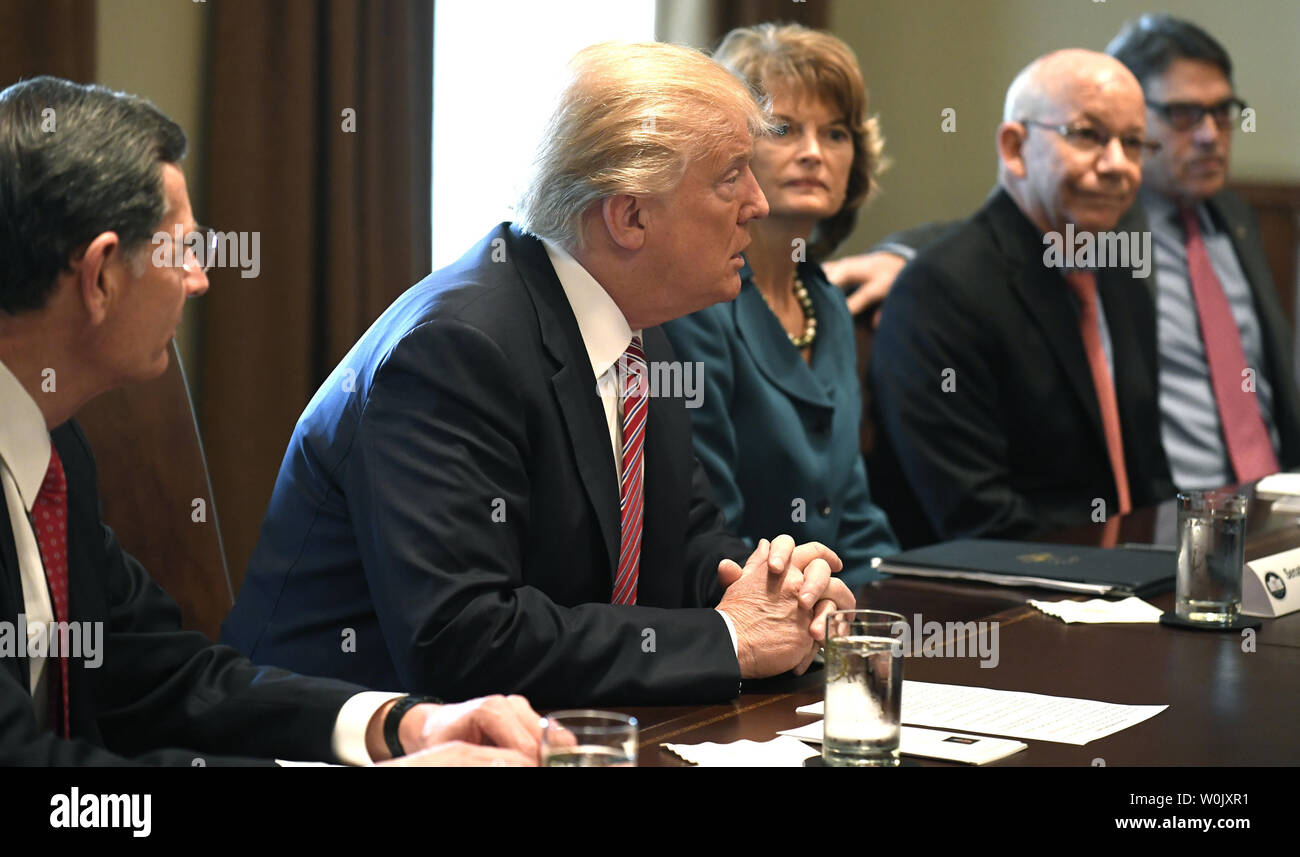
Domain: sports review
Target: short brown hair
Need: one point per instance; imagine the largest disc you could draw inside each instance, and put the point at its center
(790, 58)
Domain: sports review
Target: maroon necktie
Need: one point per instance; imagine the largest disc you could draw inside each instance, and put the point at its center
(1249, 448)
(630, 504)
(50, 519)
(1084, 284)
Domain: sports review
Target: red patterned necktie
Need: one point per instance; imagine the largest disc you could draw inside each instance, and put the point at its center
(1249, 448)
(630, 504)
(1084, 284)
(50, 519)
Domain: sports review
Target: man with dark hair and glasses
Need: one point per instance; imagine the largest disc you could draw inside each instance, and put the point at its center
(1014, 393)
(1228, 401)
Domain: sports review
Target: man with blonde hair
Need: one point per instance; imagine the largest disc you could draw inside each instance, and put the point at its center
(488, 493)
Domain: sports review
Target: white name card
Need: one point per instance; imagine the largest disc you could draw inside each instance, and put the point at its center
(1270, 586)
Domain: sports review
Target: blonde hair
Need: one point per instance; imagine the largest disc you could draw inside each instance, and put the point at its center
(630, 119)
(790, 59)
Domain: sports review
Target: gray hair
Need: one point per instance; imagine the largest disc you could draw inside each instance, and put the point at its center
(75, 161)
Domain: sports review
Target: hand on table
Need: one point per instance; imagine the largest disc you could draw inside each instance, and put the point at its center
(490, 730)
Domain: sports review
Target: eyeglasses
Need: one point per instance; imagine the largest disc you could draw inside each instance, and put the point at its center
(201, 240)
(1186, 115)
(1089, 138)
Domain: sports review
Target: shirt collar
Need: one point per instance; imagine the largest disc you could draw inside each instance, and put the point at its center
(1160, 209)
(605, 332)
(24, 440)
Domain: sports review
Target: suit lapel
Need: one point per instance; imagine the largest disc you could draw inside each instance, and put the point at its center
(1232, 213)
(11, 588)
(766, 341)
(85, 534)
(1135, 220)
(1046, 296)
(574, 386)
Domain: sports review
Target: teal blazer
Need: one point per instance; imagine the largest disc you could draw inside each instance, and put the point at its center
(778, 436)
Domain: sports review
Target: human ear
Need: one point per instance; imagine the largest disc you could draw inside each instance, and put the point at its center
(624, 217)
(1011, 146)
(100, 275)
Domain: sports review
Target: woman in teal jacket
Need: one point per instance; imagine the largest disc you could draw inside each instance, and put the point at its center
(777, 425)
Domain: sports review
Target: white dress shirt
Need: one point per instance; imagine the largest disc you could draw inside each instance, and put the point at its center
(24, 458)
(606, 335)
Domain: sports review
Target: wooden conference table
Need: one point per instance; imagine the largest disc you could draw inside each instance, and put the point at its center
(1226, 706)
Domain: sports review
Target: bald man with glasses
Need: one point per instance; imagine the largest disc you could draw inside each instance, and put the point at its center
(1013, 392)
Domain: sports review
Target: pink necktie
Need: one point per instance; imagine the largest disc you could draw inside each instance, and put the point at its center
(1249, 448)
(50, 518)
(631, 505)
(1084, 284)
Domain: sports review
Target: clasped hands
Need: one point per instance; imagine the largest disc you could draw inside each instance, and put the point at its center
(778, 604)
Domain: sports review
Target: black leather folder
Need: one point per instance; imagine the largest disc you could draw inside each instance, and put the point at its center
(1117, 572)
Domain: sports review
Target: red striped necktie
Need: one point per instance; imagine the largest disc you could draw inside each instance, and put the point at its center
(50, 520)
(1249, 447)
(631, 503)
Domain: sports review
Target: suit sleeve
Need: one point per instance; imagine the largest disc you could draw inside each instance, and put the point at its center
(934, 376)
(908, 242)
(442, 443)
(160, 689)
(158, 686)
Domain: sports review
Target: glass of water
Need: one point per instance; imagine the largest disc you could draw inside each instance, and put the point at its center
(586, 738)
(1211, 555)
(864, 688)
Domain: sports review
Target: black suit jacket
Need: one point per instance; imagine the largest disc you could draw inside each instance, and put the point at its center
(1238, 218)
(1013, 443)
(446, 519)
(1234, 215)
(157, 686)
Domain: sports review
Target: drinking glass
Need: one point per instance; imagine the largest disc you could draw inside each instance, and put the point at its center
(585, 738)
(1211, 556)
(864, 684)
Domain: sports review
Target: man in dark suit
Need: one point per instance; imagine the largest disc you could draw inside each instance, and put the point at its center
(1012, 395)
(94, 666)
(1186, 76)
(483, 494)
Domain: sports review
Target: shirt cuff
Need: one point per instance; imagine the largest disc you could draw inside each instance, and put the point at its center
(901, 250)
(349, 741)
(731, 629)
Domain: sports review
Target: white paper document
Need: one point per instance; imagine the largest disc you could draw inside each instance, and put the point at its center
(780, 752)
(1013, 713)
(932, 744)
(1100, 611)
(1278, 485)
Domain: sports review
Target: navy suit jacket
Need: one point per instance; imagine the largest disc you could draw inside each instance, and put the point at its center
(982, 392)
(156, 686)
(779, 437)
(446, 519)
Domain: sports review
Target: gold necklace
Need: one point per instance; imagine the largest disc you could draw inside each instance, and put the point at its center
(805, 303)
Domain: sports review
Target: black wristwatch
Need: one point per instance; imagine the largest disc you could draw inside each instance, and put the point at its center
(394, 717)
